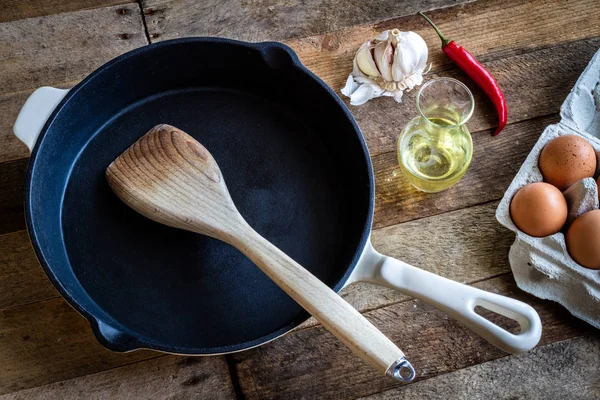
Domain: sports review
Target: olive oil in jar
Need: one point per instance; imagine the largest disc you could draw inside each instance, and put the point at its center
(435, 152)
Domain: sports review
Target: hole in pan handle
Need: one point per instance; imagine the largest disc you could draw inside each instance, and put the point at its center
(35, 112)
(457, 300)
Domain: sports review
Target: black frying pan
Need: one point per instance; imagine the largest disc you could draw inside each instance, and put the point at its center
(296, 166)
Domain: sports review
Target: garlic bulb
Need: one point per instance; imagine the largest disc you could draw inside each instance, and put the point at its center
(387, 66)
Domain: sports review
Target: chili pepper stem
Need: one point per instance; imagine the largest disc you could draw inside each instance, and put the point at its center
(440, 34)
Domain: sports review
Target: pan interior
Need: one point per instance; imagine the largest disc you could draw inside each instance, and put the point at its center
(294, 167)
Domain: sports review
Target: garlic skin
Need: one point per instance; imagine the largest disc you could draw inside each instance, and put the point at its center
(393, 62)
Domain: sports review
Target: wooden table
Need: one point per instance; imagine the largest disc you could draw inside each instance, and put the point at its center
(535, 49)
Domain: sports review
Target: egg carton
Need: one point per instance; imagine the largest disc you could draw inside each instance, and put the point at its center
(542, 266)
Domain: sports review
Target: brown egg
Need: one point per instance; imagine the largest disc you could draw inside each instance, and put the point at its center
(539, 209)
(583, 239)
(566, 160)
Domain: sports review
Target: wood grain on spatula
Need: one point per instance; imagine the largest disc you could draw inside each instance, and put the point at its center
(170, 178)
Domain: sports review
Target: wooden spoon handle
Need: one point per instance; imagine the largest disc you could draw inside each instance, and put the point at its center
(171, 178)
(339, 317)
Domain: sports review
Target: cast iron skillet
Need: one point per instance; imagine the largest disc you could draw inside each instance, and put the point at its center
(296, 166)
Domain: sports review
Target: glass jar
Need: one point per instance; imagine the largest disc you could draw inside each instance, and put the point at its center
(435, 148)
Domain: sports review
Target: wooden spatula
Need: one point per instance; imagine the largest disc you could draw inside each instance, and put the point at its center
(170, 178)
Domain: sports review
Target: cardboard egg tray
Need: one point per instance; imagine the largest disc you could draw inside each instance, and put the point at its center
(542, 266)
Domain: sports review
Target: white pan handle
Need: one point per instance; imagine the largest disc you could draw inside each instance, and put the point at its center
(459, 301)
(35, 112)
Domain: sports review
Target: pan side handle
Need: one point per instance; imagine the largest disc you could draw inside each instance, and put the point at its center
(113, 339)
(457, 300)
(35, 113)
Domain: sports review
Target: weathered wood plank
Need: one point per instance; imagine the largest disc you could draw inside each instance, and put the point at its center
(167, 377)
(312, 363)
(496, 160)
(11, 148)
(535, 80)
(466, 246)
(22, 279)
(18, 9)
(48, 341)
(272, 19)
(564, 370)
(89, 358)
(65, 47)
(12, 182)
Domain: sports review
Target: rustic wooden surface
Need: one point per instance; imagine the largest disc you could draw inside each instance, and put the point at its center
(18, 9)
(536, 50)
(271, 19)
(165, 377)
(491, 380)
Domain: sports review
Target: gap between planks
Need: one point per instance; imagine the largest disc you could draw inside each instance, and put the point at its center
(144, 23)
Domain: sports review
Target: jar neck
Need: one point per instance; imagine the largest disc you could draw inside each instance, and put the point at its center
(439, 125)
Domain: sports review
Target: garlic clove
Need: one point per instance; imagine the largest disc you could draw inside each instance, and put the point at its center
(361, 95)
(384, 53)
(383, 36)
(398, 73)
(398, 96)
(414, 80)
(420, 48)
(365, 62)
(423, 51)
(395, 36)
(350, 86)
(388, 86)
(411, 52)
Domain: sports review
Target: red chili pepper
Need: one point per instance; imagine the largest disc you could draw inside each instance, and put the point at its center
(477, 72)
